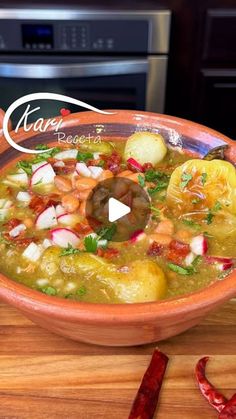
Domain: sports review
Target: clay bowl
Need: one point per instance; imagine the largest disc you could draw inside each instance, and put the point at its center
(131, 324)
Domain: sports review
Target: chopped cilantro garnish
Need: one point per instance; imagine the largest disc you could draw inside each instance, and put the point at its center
(26, 166)
(107, 232)
(217, 207)
(189, 270)
(197, 261)
(211, 213)
(84, 156)
(81, 291)
(69, 251)
(203, 178)
(91, 244)
(47, 154)
(191, 223)
(49, 290)
(159, 187)
(225, 273)
(185, 179)
(141, 181)
(155, 175)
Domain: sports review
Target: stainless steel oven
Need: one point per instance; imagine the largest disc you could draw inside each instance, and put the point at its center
(110, 60)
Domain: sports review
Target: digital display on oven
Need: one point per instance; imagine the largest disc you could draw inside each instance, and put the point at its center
(37, 37)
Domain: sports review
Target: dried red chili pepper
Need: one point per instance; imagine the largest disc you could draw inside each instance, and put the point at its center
(155, 249)
(229, 411)
(177, 251)
(214, 397)
(145, 403)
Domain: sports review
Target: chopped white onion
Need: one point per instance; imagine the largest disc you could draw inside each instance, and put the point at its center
(32, 252)
(17, 230)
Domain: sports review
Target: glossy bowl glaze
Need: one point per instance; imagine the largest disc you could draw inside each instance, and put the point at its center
(121, 324)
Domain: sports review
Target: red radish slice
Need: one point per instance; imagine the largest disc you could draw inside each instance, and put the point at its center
(43, 175)
(135, 164)
(83, 170)
(199, 245)
(64, 237)
(37, 165)
(96, 171)
(32, 252)
(137, 236)
(218, 259)
(60, 210)
(17, 230)
(225, 266)
(189, 259)
(47, 218)
(66, 154)
(68, 219)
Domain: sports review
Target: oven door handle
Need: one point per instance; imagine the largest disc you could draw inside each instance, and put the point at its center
(78, 70)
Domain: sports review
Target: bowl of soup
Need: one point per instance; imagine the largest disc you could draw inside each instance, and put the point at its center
(140, 277)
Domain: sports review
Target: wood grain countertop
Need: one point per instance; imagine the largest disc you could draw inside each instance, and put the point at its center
(45, 376)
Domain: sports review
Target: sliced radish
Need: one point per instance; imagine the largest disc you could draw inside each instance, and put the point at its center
(96, 155)
(23, 196)
(47, 243)
(218, 259)
(47, 218)
(189, 259)
(59, 163)
(43, 175)
(17, 230)
(96, 171)
(135, 164)
(32, 252)
(36, 166)
(68, 219)
(199, 245)
(83, 170)
(137, 236)
(102, 243)
(64, 237)
(225, 266)
(66, 154)
(60, 210)
(17, 179)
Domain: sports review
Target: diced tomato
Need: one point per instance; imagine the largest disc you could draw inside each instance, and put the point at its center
(12, 223)
(37, 204)
(24, 242)
(147, 166)
(177, 251)
(155, 249)
(82, 228)
(108, 253)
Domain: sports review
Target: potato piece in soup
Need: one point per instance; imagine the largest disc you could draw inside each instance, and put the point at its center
(145, 147)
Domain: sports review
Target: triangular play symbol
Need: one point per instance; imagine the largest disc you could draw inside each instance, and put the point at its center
(116, 210)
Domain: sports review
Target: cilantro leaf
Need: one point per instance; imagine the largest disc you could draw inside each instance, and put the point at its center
(191, 223)
(141, 181)
(49, 290)
(84, 156)
(159, 187)
(155, 175)
(155, 210)
(217, 207)
(47, 154)
(189, 270)
(41, 147)
(203, 178)
(91, 244)
(69, 251)
(211, 213)
(26, 166)
(81, 291)
(107, 232)
(196, 201)
(185, 179)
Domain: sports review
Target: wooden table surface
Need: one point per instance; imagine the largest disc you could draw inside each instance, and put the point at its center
(46, 376)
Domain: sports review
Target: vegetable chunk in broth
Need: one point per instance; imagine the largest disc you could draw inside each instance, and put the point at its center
(48, 242)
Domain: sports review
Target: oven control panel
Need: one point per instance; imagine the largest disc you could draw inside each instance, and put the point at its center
(121, 32)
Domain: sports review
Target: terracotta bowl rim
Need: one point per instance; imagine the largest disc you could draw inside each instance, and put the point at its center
(30, 300)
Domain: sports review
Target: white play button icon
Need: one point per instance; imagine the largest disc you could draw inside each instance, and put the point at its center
(116, 210)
